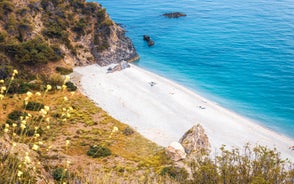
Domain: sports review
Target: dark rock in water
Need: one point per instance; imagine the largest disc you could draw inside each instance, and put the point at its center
(148, 40)
(174, 15)
(150, 43)
(146, 37)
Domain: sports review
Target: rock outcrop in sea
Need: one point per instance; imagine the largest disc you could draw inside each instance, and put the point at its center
(174, 15)
(149, 41)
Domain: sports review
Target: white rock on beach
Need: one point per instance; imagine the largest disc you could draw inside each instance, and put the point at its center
(176, 151)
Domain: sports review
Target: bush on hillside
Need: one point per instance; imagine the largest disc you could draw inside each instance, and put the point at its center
(19, 86)
(128, 131)
(60, 173)
(15, 115)
(34, 106)
(70, 86)
(177, 173)
(31, 52)
(5, 8)
(63, 71)
(54, 80)
(98, 151)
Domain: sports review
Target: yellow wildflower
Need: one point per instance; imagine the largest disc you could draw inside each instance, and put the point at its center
(65, 98)
(47, 108)
(64, 87)
(14, 124)
(48, 127)
(1, 96)
(115, 129)
(6, 130)
(35, 147)
(15, 72)
(43, 112)
(22, 126)
(48, 87)
(67, 78)
(27, 159)
(29, 94)
(67, 142)
(19, 173)
(3, 88)
(38, 93)
(1, 81)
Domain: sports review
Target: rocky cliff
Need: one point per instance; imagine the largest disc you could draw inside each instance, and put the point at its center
(74, 32)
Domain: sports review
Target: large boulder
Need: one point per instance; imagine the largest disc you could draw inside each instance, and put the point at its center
(195, 140)
(176, 151)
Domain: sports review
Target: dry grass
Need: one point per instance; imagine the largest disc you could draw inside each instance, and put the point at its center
(76, 123)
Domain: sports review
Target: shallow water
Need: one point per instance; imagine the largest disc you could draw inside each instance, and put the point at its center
(238, 54)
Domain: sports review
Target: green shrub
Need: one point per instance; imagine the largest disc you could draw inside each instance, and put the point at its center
(15, 115)
(3, 36)
(6, 7)
(63, 71)
(18, 86)
(70, 86)
(128, 131)
(179, 174)
(53, 80)
(59, 174)
(98, 151)
(31, 52)
(80, 26)
(34, 106)
(5, 70)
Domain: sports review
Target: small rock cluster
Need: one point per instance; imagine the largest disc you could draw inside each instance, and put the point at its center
(148, 40)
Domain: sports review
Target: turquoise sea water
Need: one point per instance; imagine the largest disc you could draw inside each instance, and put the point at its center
(239, 53)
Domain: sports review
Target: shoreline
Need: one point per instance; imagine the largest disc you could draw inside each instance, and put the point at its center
(162, 110)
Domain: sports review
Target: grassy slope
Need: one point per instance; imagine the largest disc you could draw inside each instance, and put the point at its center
(87, 125)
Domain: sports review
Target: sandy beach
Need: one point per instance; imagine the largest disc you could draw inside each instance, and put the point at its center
(163, 111)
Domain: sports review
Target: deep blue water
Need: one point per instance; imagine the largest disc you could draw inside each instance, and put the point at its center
(238, 53)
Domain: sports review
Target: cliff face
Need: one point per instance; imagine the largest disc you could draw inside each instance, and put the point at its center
(75, 31)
